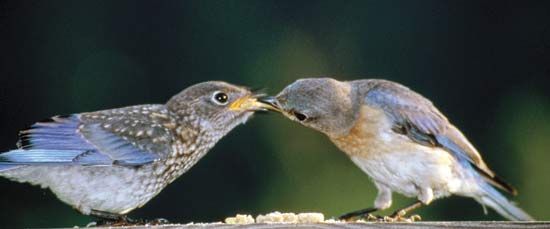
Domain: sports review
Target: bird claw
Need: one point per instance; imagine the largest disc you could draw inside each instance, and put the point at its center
(401, 218)
(125, 221)
(415, 217)
(394, 218)
(115, 223)
(366, 217)
(371, 217)
(157, 221)
(111, 223)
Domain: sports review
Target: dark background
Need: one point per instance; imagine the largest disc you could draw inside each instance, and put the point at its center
(485, 64)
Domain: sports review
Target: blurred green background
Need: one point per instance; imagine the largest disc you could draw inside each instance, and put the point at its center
(484, 64)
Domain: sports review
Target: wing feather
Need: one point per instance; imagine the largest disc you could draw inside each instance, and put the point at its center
(419, 119)
(84, 139)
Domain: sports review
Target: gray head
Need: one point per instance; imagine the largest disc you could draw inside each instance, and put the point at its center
(215, 104)
(324, 104)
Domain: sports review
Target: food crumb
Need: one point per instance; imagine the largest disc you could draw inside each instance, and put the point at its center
(329, 221)
(311, 217)
(277, 217)
(240, 219)
(285, 218)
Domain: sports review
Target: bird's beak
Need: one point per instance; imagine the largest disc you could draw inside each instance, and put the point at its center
(271, 103)
(251, 103)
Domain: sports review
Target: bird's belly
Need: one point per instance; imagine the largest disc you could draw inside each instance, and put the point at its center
(394, 160)
(409, 168)
(113, 189)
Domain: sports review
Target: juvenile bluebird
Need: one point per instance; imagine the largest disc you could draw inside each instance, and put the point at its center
(397, 137)
(108, 163)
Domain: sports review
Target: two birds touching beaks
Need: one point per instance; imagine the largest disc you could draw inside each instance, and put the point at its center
(108, 163)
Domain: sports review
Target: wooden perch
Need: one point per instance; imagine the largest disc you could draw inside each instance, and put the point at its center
(455, 224)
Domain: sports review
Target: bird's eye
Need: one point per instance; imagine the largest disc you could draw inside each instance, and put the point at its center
(300, 116)
(220, 98)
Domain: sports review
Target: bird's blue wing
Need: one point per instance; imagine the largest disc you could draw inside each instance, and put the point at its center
(419, 119)
(91, 140)
(56, 133)
(406, 106)
(43, 156)
(120, 149)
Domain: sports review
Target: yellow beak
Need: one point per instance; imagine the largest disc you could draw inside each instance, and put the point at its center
(250, 103)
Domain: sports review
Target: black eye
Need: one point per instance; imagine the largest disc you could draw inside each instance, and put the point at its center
(300, 116)
(220, 98)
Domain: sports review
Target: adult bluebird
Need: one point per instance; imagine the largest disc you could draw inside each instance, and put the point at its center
(400, 139)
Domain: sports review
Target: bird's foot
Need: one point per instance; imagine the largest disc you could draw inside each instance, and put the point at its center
(401, 219)
(364, 217)
(359, 214)
(400, 216)
(372, 218)
(157, 221)
(114, 223)
(126, 221)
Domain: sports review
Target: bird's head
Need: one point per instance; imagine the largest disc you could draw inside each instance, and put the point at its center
(324, 104)
(216, 104)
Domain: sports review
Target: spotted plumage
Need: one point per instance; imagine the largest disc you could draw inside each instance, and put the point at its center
(109, 162)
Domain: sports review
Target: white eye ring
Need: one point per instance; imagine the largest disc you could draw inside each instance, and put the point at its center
(220, 98)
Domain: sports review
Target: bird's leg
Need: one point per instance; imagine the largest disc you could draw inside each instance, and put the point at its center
(383, 200)
(158, 221)
(359, 213)
(112, 219)
(399, 214)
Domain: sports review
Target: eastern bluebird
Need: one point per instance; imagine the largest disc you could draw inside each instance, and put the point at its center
(399, 138)
(107, 163)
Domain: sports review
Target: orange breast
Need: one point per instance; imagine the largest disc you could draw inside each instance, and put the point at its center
(370, 135)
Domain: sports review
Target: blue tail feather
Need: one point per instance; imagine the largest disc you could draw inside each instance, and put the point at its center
(24, 157)
(487, 195)
(494, 199)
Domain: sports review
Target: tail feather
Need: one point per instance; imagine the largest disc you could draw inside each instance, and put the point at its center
(494, 199)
